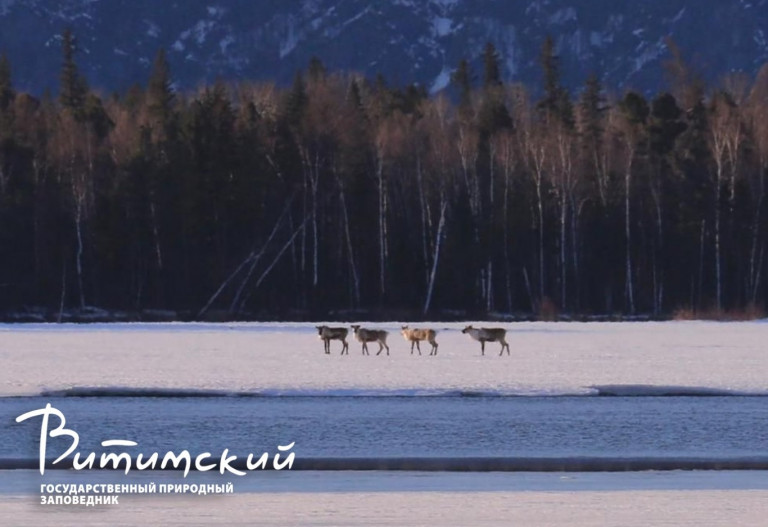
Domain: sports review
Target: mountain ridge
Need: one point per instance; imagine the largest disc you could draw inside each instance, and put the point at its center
(405, 40)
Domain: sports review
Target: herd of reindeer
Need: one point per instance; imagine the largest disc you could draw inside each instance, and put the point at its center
(412, 335)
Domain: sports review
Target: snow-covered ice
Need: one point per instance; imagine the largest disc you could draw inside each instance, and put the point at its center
(446, 509)
(546, 358)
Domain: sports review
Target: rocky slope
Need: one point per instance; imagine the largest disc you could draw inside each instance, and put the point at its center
(406, 40)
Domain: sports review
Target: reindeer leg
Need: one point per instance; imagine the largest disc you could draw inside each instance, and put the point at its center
(418, 347)
(482, 347)
(411, 347)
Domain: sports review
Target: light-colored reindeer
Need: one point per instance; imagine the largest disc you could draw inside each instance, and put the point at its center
(371, 335)
(488, 335)
(327, 334)
(415, 335)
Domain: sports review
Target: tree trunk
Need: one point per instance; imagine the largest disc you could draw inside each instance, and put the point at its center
(658, 282)
(423, 210)
(436, 259)
(350, 249)
(754, 270)
(540, 209)
(505, 215)
(155, 232)
(628, 233)
(253, 258)
(79, 253)
(270, 267)
(701, 263)
(563, 215)
(314, 181)
(382, 226)
(718, 277)
(63, 295)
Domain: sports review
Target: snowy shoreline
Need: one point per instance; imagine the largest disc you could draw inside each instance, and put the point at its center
(99, 315)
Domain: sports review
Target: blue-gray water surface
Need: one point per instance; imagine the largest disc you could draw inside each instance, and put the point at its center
(359, 426)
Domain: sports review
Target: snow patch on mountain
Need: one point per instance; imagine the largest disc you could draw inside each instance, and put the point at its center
(406, 40)
(441, 81)
(225, 42)
(442, 26)
(5, 6)
(290, 40)
(561, 16)
(153, 30)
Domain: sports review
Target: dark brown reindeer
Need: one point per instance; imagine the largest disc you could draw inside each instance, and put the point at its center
(327, 334)
(371, 335)
(415, 335)
(488, 335)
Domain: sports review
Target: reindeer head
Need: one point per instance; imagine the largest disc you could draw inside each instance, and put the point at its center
(467, 329)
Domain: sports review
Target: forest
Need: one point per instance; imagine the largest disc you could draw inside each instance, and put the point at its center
(341, 195)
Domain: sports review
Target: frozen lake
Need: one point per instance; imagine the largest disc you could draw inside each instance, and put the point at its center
(679, 390)
(546, 358)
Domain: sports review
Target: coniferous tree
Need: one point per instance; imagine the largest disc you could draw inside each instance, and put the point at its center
(96, 116)
(295, 100)
(556, 103)
(462, 79)
(550, 64)
(493, 114)
(73, 87)
(7, 92)
(491, 74)
(591, 126)
(316, 70)
(664, 127)
(591, 109)
(337, 192)
(160, 95)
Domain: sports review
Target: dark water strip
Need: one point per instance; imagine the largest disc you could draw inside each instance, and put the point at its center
(612, 390)
(472, 464)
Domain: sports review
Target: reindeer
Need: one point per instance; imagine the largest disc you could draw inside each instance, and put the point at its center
(327, 334)
(416, 335)
(488, 335)
(371, 335)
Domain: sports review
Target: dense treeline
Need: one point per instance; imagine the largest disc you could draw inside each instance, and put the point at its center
(343, 193)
